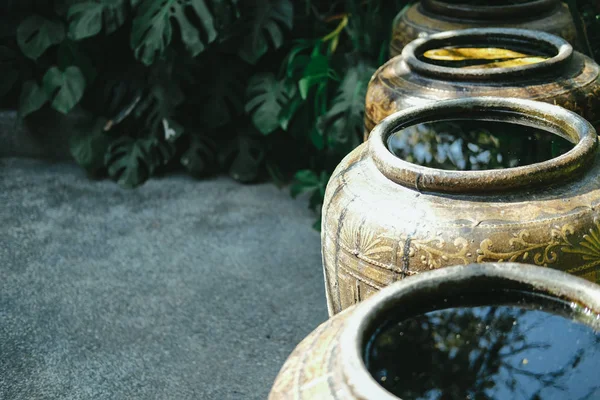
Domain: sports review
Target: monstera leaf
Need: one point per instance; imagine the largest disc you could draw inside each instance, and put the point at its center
(264, 24)
(243, 158)
(343, 122)
(88, 145)
(200, 157)
(221, 91)
(32, 98)
(86, 19)
(152, 29)
(70, 53)
(64, 88)
(131, 161)
(36, 34)
(266, 98)
(158, 102)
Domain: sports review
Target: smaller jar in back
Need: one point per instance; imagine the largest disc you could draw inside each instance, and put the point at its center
(484, 62)
(505, 344)
(468, 145)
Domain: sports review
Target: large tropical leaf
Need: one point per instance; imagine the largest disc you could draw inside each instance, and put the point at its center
(88, 145)
(70, 53)
(36, 34)
(316, 73)
(32, 98)
(200, 157)
(266, 97)
(342, 125)
(243, 157)
(159, 100)
(87, 18)
(152, 29)
(131, 161)
(64, 88)
(263, 26)
(219, 95)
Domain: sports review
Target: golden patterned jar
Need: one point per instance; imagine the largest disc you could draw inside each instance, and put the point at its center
(330, 364)
(385, 218)
(565, 77)
(432, 16)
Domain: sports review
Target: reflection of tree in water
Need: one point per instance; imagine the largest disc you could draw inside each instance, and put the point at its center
(475, 145)
(466, 355)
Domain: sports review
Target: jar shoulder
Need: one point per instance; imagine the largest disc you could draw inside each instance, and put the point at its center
(311, 371)
(394, 87)
(415, 23)
(360, 191)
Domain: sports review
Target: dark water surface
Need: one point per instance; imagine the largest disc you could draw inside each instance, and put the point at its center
(468, 145)
(523, 347)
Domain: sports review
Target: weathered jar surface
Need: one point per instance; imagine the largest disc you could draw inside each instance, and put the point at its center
(564, 77)
(330, 362)
(385, 218)
(432, 16)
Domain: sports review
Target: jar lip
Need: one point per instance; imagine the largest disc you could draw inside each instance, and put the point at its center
(564, 53)
(489, 12)
(551, 118)
(367, 315)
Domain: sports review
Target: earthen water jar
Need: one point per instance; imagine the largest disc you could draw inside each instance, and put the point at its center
(566, 77)
(385, 218)
(432, 16)
(329, 364)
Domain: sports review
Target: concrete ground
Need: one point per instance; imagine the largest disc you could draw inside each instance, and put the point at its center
(180, 289)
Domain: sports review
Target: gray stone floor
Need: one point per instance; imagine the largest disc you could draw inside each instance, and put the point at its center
(180, 289)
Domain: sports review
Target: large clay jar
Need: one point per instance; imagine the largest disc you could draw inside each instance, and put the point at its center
(329, 363)
(432, 16)
(566, 77)
(385, 218)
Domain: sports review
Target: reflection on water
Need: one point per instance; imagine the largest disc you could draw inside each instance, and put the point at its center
(481, 57)
(521, 350)
(475, 145)
(487, 2)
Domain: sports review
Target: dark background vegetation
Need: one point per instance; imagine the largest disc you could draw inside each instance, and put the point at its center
(261, 89)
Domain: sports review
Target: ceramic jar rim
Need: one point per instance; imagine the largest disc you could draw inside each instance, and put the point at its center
(367, 315)
(548, 117)
(489, 12)
(564, 53)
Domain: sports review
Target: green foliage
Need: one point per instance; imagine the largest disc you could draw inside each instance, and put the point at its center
(131, 161)
(261, 88)
(64, 88)
(36, 34)
(264, 24)
(89, 145)
(33, 97)
(87, 19)
(343, 122)
(590, 14)
(266, 98)
(152, 29)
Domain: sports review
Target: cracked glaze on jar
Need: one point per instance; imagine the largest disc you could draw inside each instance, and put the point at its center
(385, 218)
(432, 16)
(328, 364)
(567, 78)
